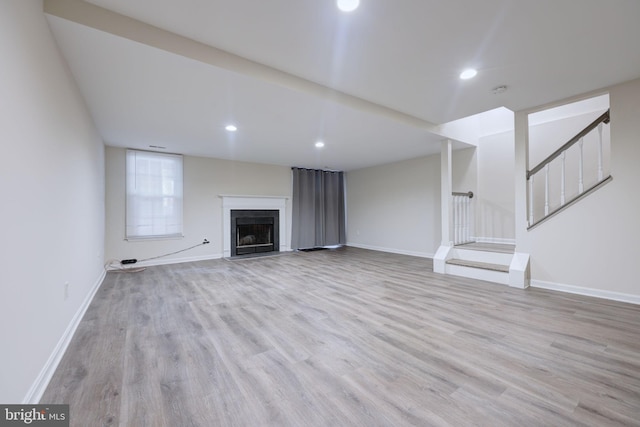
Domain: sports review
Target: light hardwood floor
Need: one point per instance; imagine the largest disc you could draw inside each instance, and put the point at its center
(346, 337)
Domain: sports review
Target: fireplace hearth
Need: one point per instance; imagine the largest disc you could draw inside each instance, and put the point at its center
(254, 232)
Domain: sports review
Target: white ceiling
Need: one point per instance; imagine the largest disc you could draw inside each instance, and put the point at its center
(372, 84)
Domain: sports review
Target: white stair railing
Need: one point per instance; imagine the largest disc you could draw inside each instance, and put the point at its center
(546, 164)
(462, 217)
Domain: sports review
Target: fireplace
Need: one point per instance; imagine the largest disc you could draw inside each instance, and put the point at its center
(254, 232)
(232, 202)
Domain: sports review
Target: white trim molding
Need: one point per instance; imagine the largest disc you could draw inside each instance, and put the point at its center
(444, 253)
(590, 292)
(35, 392)
(230, 201)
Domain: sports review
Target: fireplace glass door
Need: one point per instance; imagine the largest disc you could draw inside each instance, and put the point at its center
(254, 232)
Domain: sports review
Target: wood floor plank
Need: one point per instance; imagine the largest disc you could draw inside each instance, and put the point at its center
(345, 337)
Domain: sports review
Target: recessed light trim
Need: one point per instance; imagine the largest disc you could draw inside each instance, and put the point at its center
(469, 73)
(231, 128)
(319, 144)
(347, 5)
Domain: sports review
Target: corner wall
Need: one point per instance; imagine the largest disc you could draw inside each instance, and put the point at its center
(395, 207)
(52, 175)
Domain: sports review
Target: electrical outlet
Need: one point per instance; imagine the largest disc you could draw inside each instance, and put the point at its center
(66, 291)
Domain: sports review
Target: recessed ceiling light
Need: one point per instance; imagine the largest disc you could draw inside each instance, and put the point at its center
(469, 73)
(348, 5)
(319, 144)
(231, 128)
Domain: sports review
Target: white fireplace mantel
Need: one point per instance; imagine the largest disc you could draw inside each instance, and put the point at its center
(230, 201)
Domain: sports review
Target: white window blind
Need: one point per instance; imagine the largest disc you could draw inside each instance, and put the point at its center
(154, 195)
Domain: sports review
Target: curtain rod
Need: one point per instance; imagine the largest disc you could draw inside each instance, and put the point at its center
(311, 169)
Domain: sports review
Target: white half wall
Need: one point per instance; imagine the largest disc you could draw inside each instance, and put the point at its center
(52, 174)
(205, 179)
(395, 207)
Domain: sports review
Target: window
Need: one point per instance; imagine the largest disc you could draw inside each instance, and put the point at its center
(154, 195)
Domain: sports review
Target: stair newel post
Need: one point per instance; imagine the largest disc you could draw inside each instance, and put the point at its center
(581, 167)
(600, 169)
(562, 177)
(546, 189)
(446, 206)
(531, 199)
(446, 197)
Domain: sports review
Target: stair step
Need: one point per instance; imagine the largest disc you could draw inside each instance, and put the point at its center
(477, 264)
(502, 248)
(482, 256)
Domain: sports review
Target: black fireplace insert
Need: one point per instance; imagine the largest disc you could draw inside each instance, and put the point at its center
(254, 232)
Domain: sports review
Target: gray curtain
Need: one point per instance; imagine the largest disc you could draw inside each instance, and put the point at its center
(317, 209)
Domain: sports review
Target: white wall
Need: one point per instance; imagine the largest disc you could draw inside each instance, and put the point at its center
(52, 192)
(395, 207)
(204, 180)
(592, 246)
(464, 165)
(495, 197)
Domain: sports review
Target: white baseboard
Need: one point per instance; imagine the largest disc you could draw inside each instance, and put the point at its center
(35, 392)
(497, 240)
(391, 250)
(598, 293)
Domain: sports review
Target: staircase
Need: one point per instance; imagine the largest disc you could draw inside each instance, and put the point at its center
(573, 171)
(493, 262)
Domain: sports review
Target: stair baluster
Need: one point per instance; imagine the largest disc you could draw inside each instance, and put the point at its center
(563, 156)
(546, 189)
(581, 167)
(600, 168)
(531, 179)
